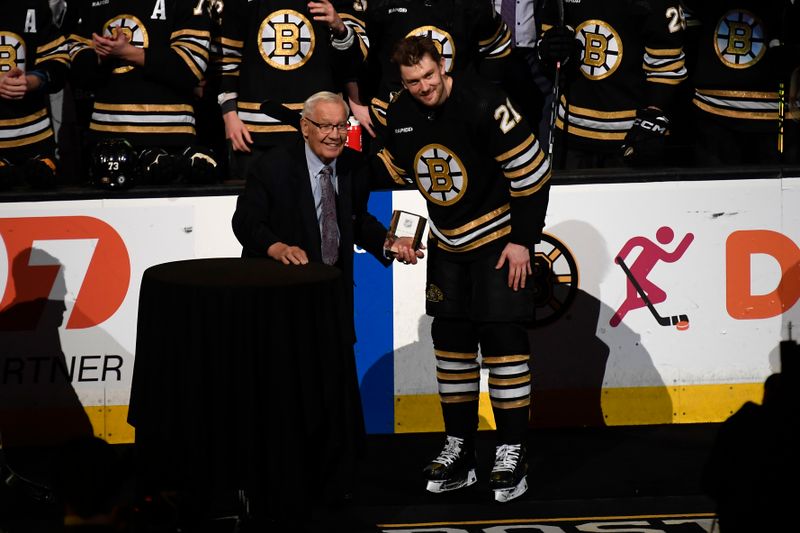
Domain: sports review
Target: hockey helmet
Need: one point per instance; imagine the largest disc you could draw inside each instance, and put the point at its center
(114, 164)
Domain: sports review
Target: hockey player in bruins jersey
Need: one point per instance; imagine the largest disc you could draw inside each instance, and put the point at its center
(461, 142)
(142, 59)
(619, 83)
(741, 62)
(33, 63)
(468, 33)
(282, 51)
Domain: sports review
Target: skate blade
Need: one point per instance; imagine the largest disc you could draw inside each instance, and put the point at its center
(444, 486)
(506, 495)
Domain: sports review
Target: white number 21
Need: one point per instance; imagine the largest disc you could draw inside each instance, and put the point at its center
(508, 116)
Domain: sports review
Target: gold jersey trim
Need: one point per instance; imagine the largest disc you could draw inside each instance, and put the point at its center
(590, 134)
(144, 108)
(516, 150)
(142, 129)
(394, 171)
(255, 106)
(500, 359)
(527, 168)
(749, 115)
(27, 140)
(188, 60)
(230, 42)
(491, 215)
(751, 95)
(55, 43)
(499, 404)
(455, 355)
(599, 114)
(664, 52)
(24, 120)
(460, 398)
(201, 34)
(535, 188)
(510, 381)
(475, 244)
(269, 129)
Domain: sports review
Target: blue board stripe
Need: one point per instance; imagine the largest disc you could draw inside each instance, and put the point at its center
(374, 329)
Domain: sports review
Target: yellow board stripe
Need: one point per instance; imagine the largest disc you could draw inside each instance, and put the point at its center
(422, 413)
(629, 406)
(110, 423)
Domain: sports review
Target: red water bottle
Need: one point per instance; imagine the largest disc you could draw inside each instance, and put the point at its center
(353, 134)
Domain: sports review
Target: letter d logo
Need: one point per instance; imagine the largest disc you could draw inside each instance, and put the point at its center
(741, 245)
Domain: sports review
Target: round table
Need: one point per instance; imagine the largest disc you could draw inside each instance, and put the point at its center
(243, 379)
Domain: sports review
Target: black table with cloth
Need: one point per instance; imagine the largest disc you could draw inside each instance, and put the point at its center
(243, 379)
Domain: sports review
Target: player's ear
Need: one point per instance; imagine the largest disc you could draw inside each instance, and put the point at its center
(304, 125)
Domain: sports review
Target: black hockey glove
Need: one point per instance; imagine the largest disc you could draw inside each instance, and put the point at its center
(557, 44)
(40, 172)
(645, 142)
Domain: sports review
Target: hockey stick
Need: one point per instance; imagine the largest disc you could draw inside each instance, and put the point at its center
(556, 90)
(781, 117)
(281, 112)
(675, 320)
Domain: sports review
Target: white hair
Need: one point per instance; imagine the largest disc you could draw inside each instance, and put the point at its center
(323, 96)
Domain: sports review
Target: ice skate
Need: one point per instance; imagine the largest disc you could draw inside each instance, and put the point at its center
(508, 478)
(453, 468)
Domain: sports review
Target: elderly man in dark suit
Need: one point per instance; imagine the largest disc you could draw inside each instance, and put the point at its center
(308, 202)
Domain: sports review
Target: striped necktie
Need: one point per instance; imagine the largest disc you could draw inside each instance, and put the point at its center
(330, 228)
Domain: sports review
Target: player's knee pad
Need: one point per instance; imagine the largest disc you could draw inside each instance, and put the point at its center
(499, 338)
(454, 335)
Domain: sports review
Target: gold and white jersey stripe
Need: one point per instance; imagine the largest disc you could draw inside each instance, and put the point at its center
(592, 124)
(526, 167)
(746, 105)
(192, 46)
(23, 131)
(142, 118)
(664, 65)
(256, 121)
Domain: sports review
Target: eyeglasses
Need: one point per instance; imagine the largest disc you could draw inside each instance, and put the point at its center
(325, 129)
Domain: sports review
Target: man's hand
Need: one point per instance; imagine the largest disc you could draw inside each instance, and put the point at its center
(323, 11)
(117, 46)
(237, 132)
(13, 84)
(361, 112)
(288, 255)
(403, 250)
(519, 264)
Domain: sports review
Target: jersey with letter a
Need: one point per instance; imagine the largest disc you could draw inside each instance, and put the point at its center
(474, 159)
(631, 57)
(29, 41)
(148, 105)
